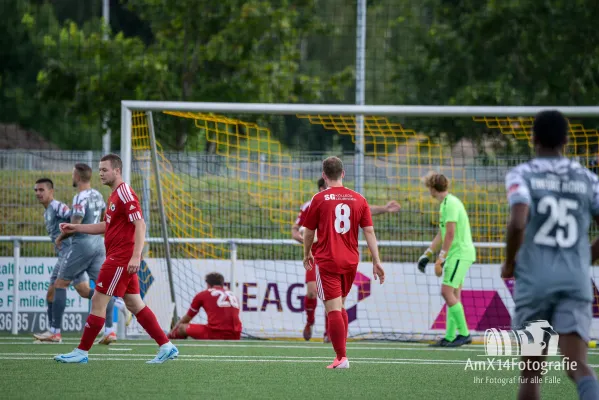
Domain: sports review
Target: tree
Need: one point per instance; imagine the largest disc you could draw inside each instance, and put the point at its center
(516, 52)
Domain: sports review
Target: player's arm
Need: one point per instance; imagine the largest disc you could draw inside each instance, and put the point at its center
(295, 233)
(194, 308)
(514, 237)
(390, 207)
(449, 236)
(595, 245)
(90, 229)
(519, 201)
(140, 237)
(426, 257)
(310, 224)
(370, 237)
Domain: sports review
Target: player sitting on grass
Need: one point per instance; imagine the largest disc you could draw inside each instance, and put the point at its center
(338, 213)
(222, 309)
(455, 258)
(552, 202)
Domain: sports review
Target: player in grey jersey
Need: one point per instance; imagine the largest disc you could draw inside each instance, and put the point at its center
(86, 253)
(55, 213)
(552, 203)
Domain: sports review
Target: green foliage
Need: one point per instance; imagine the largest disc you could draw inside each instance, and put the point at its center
(497, 53)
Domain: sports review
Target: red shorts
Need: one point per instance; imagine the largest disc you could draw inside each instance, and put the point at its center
(203, 332)
(311, 275)
(331, 285)
(114, 280)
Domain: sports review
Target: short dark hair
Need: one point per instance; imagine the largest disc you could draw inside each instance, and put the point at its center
(84, 171)
(321, 183)
(115, 161)
(46, 180)
(550, 129)
(215, 279)
(332, 168)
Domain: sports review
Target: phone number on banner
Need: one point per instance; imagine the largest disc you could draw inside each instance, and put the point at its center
(38, 322)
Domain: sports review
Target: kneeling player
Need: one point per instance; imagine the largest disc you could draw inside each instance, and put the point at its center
(222, 309)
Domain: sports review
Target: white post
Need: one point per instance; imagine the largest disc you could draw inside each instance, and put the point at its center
(146, 200)
(360, 97)
(106, 137)
(126, 142)
(15, 305)
(233, 284)
(163, 224)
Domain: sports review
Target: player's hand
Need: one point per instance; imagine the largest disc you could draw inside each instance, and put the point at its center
(65, 227)
(392, 206)
(423, 262)
(309, 262)
(507, 271)
(133, 265)
(377, 270)
(58, 242)
(440, 263)
(425, 259)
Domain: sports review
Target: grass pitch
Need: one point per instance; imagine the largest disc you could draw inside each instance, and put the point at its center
(259, 370)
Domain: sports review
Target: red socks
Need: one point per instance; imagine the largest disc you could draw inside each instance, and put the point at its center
(148, 321)
(93, 326)
(345, 321)
(310, 306)
(337, 333)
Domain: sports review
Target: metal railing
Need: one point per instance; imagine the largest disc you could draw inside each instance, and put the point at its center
(18, 241)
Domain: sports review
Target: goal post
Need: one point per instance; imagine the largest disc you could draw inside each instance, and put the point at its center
(230, 209)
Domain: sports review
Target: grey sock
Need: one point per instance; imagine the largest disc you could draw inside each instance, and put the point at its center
(109, 313)
(588, 388)
(60, 303)
(49, 314)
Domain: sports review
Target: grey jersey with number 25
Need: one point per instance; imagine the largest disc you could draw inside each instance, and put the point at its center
(555, 256)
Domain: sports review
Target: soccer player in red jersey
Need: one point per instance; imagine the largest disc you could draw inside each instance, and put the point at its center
(222, 309)
(297, 234)
(124, 232)
(337, 213)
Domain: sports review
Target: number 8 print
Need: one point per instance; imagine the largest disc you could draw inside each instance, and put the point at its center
(342, 222)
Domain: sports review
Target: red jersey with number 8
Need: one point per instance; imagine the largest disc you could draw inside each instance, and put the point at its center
(122, 210)
(337, 213)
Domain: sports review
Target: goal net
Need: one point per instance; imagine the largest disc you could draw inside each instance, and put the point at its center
(230, 199)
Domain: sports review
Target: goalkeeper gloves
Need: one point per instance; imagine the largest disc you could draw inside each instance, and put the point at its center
(440, 263)
(425, 259)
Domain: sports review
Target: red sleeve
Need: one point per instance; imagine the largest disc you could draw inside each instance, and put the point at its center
(195, 306)
(312, 215)
(130, 202)
(366, 216)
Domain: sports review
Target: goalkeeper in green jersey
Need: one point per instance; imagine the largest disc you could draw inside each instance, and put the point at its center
(456, 255)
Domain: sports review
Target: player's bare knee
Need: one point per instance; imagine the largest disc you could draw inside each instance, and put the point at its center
(50, 294)
(448, 294)
(134, 303)
(311, 295)
(83, 291)
(62, 284)
(99, 303)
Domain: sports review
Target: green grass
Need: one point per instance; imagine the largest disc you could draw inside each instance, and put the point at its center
(257, 370)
